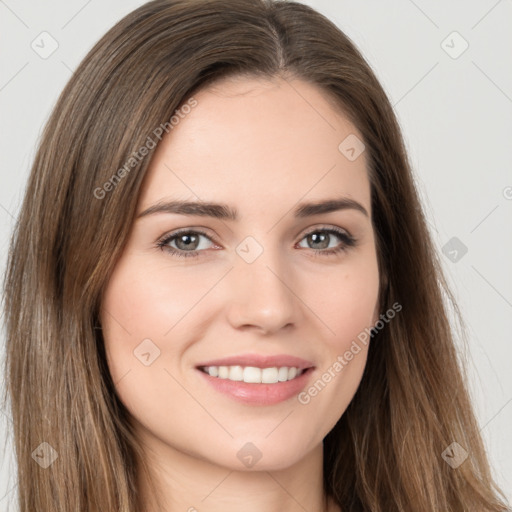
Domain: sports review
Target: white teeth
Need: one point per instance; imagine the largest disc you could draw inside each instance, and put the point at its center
(236, 373)
(253, 375)
(283, 374)
(269, 375)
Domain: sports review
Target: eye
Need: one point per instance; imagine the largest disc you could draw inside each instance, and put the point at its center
(322, 238)
(187, 243)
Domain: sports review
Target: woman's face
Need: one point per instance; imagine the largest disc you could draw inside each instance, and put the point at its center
(262, 283)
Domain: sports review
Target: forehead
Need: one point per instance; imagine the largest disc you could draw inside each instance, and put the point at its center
(254, 141)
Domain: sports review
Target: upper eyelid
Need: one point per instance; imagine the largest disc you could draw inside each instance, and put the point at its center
(175, 233)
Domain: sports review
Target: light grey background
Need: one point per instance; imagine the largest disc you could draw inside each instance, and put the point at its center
(456, 114)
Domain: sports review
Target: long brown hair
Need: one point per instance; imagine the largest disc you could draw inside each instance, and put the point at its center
(385, 452)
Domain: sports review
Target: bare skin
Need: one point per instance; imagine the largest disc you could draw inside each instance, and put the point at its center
(261, 147)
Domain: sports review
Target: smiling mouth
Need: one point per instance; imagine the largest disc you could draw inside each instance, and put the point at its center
(254, 375)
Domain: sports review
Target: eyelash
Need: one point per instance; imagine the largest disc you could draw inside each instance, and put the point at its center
(348, 242)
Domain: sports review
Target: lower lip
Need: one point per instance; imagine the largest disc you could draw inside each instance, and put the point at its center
(259, 394)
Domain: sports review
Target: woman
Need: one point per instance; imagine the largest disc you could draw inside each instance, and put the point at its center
(176, 339)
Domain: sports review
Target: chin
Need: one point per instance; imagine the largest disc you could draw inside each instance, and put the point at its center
(258, 453)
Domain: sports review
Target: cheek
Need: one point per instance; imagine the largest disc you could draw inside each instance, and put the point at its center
(151, 300)
(348, 307)
(139, 307)
(346, 301)
(145, 300)
(172, 307)
(148, 299)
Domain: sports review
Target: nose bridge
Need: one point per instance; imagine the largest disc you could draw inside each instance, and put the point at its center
(261, 288)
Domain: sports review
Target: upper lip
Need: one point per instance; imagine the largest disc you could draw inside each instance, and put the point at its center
(260, 361)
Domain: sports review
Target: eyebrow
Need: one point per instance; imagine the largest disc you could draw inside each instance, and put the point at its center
(226, 212)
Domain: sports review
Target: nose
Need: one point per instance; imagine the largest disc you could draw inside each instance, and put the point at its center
(261, 295)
